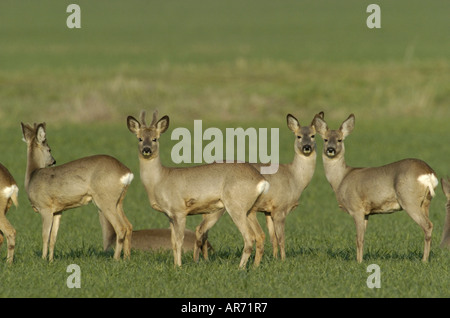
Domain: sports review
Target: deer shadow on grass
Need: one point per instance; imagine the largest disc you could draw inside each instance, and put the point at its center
(229, 253)
(79, 253)
(349, 254)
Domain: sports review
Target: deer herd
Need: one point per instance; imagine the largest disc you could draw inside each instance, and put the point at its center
(211, 189)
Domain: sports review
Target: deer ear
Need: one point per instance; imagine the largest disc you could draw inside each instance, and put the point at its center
(41, 135)
(321, 115)
(292, 123)
(320, 125)
(162, 124)
(348, 125)
(133, 124)
(27, 132)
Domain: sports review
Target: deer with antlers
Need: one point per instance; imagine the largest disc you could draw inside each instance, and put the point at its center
(212, 188)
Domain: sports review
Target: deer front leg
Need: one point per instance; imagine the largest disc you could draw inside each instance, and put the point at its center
(360, 223)
(177, 226)
(54, 233)
(279, 222)
(273, 237)
(47, 221)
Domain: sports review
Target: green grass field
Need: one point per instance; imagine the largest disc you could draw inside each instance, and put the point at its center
(231, 64)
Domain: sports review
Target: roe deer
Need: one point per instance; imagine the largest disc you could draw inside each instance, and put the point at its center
(404, 185)
(288, 183)
(8, 196)
(445, 242)
(160, 239)
(211, 188)
(53, 189)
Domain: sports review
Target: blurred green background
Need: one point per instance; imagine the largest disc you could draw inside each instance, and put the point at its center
(223, 60)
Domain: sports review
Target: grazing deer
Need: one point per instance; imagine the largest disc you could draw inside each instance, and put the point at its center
(160, 239)
(8, 196)
(404, 185)
(288, 183)
(445, 242)
(54, 189)
(211, 188)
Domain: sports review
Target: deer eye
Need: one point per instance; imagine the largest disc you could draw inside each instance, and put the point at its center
(140, 139)
(312, 136)
(339, 140)
(326, 140)
(299, 137)
(154, 139)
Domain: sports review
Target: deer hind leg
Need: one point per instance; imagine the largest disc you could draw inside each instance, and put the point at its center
(259, 237)
(129, 227)
(8, 231)
(108, 233)
(201, 233)
(239, 218)
(108, 209)
(420, 215)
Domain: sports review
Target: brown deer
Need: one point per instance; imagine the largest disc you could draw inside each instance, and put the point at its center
(160, 239)
(288, 183)
(211, 188)
(54, 189)
(445, 242)
(8, 196)
(403, 185)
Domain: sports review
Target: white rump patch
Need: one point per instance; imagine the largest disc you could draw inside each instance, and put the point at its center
(263, 186)
(430, 181)
(126, 179)
(9, 191)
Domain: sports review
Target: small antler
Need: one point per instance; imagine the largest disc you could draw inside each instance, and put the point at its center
(155, 118)
(143, 118)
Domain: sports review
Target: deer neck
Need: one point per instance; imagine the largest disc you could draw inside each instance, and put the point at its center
(335, 170)
(34, 163)
(151, 171)
(302, 168)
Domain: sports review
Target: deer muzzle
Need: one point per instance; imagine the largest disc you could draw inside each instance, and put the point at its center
(331, 152)
(307, 149)
(146, 151)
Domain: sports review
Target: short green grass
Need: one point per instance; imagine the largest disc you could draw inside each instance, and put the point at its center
(230, 64)
(320, 238)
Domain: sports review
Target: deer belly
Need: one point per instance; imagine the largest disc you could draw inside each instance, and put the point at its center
(70, 202)
(387, 206)
(194, 206)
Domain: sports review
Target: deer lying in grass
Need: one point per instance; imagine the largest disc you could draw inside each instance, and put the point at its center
(8, 196)
(160, 239)
(53, 189)
(404, 185)
(211, 188)
(288, 183)
(445, 242)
